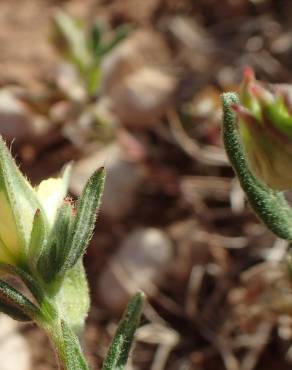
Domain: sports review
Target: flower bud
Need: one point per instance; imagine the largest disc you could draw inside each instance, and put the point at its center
(19, 203)
(265, 125)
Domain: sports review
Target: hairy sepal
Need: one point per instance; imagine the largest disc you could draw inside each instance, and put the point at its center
(38, 238)
(51, 259)
(82, 227)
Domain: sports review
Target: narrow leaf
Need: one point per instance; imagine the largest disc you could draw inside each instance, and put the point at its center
(27, 279)
(270, 206)
(95, 36)
(11, 297)
(14, 312)
(72, 355)
(74, 43)
(120, 34)
(83, 225)
(118, 352)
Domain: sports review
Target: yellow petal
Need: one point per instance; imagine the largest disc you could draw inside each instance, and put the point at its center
(8, 228)
(51, 193)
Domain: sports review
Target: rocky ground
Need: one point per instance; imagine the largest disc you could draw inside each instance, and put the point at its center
(174, 221)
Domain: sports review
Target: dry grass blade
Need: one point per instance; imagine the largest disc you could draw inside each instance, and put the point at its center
(209, 155)
(261, 338)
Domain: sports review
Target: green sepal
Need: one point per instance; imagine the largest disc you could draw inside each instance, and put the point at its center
(37, 238)
(83, 225)
(10, 297)
(270, 206)
(51, 259)
(119, 349)
(72, 356)
(279, 115)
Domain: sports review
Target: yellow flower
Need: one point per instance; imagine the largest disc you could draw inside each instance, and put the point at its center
(51, 193)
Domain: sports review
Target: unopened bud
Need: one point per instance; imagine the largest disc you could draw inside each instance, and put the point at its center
(20, 208)
(265, 124)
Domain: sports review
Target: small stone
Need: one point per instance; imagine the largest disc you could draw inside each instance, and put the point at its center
(144, 96)
(122, 180)
(135, 81)
(17, 121)
(14, 351)
(140, 49)
(14, 118)
(140, 264)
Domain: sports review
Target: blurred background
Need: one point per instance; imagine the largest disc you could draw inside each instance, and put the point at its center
(135, 85)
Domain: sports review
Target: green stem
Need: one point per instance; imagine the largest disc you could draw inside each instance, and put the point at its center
(54, 332)
(66, 345)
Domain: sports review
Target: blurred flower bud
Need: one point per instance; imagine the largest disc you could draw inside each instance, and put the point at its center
(265, 124)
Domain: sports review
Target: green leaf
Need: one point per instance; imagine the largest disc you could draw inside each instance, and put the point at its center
(10, 297)
(74, 43)
(72, 355)
(72, 299)
(14, 312)
(47, 308)
(270, 206)
(120, 34)
(27, 279)
(95, 37)
(118, 352)
(45, 305)
(83, 225)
